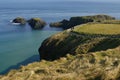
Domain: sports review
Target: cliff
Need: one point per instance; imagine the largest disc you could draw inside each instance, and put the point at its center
(83, 39)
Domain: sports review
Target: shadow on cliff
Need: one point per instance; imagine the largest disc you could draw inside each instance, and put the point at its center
(25, 62)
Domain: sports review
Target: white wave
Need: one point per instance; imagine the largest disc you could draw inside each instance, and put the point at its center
(14, 23)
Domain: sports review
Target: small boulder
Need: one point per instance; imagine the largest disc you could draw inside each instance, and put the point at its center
(19, 20)
(36, 23)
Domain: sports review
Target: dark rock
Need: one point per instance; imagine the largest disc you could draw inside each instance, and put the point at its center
(36, 23)
(19, 20)
(65, 24)
(56, 24)
(57, 46)
(60, 24)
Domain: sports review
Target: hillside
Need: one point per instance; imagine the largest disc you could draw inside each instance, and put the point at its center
(83, 39)
(88, 52)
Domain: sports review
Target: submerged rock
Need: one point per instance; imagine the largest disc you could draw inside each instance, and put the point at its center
(19, 20)
(36, 23)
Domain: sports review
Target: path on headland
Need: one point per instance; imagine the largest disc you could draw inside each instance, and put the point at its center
(72, 32)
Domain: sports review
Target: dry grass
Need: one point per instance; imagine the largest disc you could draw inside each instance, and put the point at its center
(103, 65)
(99, 28)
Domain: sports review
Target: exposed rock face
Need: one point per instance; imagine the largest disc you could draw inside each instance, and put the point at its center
(73, 43)
(36, 23)
(19, 20)
(60, 24)
(65, 24)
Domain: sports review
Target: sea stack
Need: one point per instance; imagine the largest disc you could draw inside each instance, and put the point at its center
(36, 23)
(19, 20)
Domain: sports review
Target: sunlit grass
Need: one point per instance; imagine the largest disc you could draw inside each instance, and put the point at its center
(99, 28)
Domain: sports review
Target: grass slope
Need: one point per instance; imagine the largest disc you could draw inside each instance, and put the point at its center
(103, 65)
(99, 28)
(77, 42)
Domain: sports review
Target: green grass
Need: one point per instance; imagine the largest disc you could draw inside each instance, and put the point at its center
(111, 22)
(99, 28)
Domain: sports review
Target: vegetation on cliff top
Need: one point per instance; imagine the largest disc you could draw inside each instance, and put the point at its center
(83, 39)
(99, 28)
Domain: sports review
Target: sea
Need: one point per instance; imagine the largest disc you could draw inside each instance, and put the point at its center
(19, 44)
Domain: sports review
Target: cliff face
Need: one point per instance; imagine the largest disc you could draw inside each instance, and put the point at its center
(75, 43)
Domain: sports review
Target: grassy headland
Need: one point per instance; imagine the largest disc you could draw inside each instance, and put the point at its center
(99, 28)
(89, 52)
(83, 39)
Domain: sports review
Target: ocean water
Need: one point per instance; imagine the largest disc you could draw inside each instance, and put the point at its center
(19, 44)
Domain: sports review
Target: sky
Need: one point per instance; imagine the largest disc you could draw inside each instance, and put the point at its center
(58, 0)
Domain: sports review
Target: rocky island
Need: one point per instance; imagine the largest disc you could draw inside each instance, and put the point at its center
(19, 20)
(36, 23)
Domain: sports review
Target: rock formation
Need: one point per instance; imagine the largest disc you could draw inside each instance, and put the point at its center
(65, 24)
(36, 23)
(19, 20)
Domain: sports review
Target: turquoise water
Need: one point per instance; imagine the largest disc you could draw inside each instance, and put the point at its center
(17, 47)
(19, 44)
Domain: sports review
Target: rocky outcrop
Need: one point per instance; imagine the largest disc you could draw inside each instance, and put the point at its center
(19, 20)
(65, 24)
(74, 43)
(60, 24)
(36, 23)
